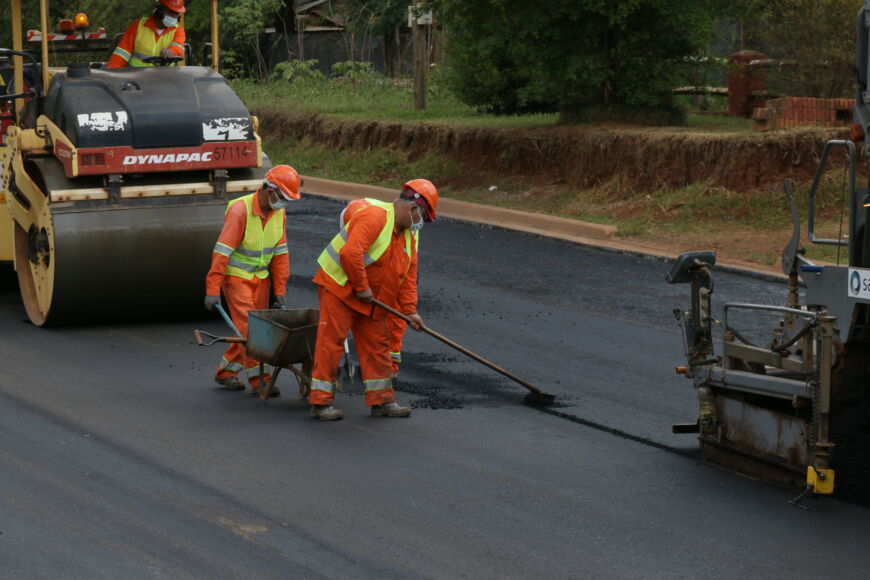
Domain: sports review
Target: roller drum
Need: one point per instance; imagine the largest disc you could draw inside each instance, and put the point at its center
(140, 259)
(132, 263)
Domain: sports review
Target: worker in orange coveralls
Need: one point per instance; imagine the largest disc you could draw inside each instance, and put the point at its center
(155, 35)
(373, 256)
(397, 325)
(250, 258)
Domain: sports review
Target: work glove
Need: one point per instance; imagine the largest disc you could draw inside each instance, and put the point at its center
(211, 302)
(278, 303)
(166, 53)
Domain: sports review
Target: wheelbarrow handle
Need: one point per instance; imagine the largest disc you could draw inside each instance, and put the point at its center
(210, 339)
(228, 320)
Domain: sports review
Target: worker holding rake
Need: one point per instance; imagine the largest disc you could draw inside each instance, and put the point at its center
(397, 325)
(374, 256)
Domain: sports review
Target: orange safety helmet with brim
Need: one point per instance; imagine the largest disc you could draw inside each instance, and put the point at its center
(423, 193)
(174, 5)
(284, 180)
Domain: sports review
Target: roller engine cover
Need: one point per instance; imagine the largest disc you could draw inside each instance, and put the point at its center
(147, 107)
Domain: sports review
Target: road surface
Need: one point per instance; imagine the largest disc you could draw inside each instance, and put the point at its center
(121, 459)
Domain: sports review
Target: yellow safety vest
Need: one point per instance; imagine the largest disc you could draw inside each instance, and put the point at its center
(329, 258)
(147, 46)
(259, 245)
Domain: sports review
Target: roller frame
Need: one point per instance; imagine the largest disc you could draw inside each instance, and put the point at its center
(154, 242)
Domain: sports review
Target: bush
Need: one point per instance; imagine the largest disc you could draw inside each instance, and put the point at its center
(356, 72)
(508, 57)
(298, 71)
(815, 38)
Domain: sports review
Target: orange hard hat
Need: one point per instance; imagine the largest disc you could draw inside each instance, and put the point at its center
(285, 179)
(424, 194)
(176, 5)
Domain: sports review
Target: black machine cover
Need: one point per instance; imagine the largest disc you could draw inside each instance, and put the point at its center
(183, 106)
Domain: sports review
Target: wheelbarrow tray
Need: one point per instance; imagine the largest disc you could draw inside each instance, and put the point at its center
(282, 337)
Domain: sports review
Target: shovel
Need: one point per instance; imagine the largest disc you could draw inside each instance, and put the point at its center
(535, 397)
(198, 334)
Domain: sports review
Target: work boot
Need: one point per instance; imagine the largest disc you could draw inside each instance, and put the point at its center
(231, 383)
(393, 409)
(326, 412)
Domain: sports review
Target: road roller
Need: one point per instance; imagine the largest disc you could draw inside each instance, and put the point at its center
(114, 182)
(786, 396)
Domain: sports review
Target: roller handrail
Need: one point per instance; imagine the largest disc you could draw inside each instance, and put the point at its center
(37, 89)
(853, 200)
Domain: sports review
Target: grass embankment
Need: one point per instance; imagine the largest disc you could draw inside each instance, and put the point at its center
(750, 224)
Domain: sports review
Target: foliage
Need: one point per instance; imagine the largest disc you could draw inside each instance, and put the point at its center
(509, 57)
(242, 24)
(365, 19)
(297, 71)
(817, 36)
(356, 72)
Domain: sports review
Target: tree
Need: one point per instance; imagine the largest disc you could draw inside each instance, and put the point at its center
(572, 55)
(365, 19)
(242, 23)
(814, 38)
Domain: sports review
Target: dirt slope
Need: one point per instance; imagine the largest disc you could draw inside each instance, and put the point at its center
(641, 158)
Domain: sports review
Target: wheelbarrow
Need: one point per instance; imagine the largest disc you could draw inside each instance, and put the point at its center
(281, 338)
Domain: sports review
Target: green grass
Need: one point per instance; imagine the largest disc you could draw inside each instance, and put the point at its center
(719, 123)
(380, 99)
(383, 167)
(383, 99)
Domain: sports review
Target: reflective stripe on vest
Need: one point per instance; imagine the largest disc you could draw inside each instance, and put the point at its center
(146, 46)
(259, 245)
(329, 259)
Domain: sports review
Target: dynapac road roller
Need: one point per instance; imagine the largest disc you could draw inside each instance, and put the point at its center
(113, 182)
(792, 407)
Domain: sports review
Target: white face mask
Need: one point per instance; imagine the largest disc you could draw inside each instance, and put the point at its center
(416, 226)
(278, 204)
(169, 21)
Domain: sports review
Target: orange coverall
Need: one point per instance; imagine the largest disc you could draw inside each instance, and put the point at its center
(392, 279)
(243, 295)
(397, 325)
(129, 40)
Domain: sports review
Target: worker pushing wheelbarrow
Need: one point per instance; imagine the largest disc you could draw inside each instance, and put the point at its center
(280, 338)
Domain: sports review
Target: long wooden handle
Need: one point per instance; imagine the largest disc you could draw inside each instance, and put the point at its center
(462, 349)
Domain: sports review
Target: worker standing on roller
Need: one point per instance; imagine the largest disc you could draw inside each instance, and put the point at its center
(373, 256)
(155, 35)
(250, 258)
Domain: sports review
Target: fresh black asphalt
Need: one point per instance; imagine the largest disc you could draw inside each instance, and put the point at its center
(121, 459)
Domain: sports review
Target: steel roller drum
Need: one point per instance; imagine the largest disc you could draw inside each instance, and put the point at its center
(143, 259)
(140, 261)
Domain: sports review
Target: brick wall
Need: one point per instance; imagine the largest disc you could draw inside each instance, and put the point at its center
(802, 112)
(743, 81)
